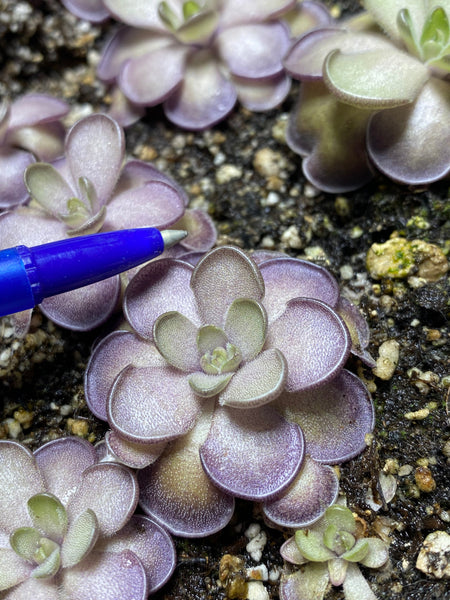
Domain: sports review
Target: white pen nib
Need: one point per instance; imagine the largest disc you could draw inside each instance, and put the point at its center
(172, 236)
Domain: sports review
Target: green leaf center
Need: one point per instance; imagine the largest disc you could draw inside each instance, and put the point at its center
(221, 360)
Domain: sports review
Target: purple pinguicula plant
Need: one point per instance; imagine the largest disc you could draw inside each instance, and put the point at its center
(374, 91)
(89, 190)
(67, 528)
(30, 128)
(231, 384)
(198, 57)
(329, 552)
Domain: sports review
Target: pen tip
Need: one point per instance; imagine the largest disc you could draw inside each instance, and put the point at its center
(172, 236)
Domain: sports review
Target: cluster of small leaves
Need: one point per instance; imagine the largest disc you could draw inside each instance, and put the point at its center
(230, 359)
(375, 92)
(328, 552)
(67, 528)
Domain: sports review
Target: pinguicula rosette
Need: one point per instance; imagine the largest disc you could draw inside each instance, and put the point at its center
(374, 91)
(30, 128)
(89, 190)
(232, 384)
(67, 529)
(198, 57)
(328, 552)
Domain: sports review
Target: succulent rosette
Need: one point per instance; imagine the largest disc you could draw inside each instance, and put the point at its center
(329, 552)
(375, 91)
(91, 189)
(67, 529)
(30, 128)
(231, 384)
(196, 57)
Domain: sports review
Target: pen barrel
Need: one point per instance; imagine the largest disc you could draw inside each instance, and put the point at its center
(16, 293)
(76, 262)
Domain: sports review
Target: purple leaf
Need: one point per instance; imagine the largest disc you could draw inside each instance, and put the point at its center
(291, 552)
(235, 11)
(20, 479)
(125, 44)
(305, 60)
(410, 143)
(202, 234)
(177, 481)
(15, 226)
(62, 463)
(253, 50)
(334, 417)
(108, 575)
(140, 13)
(306, 57)
(153, 77)
(260, 95)
(252, 454)
(114, 353)
(313, 490)
(154, 204)
(332, 136)
(134, 455)
(122, 110)
(136, 173)
(306, 16)
(95, 149)
(111, 491)
(45, 140)
(90, 10)
(36, 109)
(13, 163)
(159, 287)
(69, 309)
(152, 404)
(151, 544)
(313, 340)
(224, 275)
(286, 278)
(205, 96)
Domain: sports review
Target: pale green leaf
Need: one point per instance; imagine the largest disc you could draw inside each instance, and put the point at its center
(198, 28)
(358, 552)
(405, 27)
(176, 338)
(246, 326)
(48, 187)
(48, 515)
(375, 79)
(24, 541)
(341, 517)
(49, 567)
(80, 538)
(206, 385)
(436, 28)
(310, 544)
(210, 337)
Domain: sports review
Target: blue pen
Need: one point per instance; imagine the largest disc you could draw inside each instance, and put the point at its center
(28, 275)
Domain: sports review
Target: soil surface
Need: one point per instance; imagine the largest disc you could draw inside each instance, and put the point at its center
(243, 173)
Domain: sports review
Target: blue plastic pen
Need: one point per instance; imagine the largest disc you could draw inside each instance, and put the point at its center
(28, 275)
